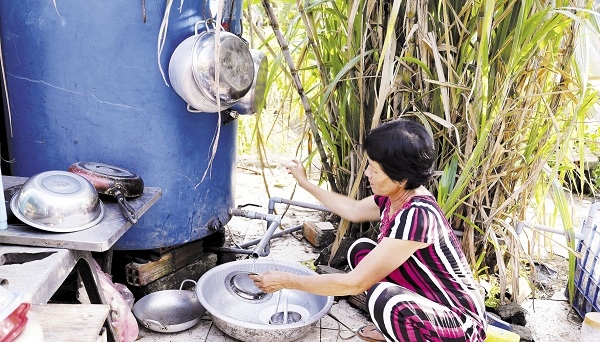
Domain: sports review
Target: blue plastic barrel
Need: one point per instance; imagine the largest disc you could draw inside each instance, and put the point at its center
(84, 84)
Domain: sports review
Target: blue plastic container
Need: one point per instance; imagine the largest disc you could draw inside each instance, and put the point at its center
(84, 84)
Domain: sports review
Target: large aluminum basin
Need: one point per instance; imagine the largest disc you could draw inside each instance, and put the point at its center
(248, 319)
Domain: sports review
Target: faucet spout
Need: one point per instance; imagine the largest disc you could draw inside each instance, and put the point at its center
(262, 248)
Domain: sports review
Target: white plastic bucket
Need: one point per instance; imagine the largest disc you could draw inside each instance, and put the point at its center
(590, 329)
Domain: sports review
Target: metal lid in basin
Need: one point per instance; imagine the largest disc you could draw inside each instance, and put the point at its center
(243, 286)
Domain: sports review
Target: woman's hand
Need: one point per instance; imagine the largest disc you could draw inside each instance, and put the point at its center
(296, 169)
(271, 281)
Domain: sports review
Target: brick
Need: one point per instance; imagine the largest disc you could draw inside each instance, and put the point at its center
(319, 234)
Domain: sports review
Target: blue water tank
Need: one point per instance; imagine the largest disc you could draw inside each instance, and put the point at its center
(84, 84)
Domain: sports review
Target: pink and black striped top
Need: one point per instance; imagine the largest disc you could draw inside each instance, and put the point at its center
(439, 272)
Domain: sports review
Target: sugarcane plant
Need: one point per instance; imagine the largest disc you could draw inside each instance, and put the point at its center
(495, 82)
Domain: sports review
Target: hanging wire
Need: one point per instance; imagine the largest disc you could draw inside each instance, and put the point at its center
(5, 89)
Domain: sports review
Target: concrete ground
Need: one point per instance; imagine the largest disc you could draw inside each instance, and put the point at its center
(549, 319)
(553, 319)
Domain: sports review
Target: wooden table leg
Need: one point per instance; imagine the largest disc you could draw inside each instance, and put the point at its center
(107, 259)
(89, 277)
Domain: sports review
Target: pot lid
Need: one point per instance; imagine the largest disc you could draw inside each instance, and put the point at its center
(236, 67)
(244, 287)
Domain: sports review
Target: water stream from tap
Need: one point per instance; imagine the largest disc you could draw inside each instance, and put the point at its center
(285, 311)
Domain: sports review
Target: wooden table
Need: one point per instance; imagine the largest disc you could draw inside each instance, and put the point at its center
(98, 238)
(70, 323)
(36, 262)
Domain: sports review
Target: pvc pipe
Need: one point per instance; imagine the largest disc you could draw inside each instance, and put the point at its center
(275, 235)
(585, 231)
(520, 225)
(241, 250)
(262, 249)
(227, 250)
(591, 214)
(274, 200)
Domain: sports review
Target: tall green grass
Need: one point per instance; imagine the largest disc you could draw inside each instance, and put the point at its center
(495, 82)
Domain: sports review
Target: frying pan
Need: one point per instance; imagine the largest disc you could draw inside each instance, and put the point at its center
(114, 181)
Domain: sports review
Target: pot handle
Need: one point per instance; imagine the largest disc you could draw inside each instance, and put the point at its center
(126, 208)
(196, 26)
(205, 22)
(192, 109)
(149, 322)
(181, 286)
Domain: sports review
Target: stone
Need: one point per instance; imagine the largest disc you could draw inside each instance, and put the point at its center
(324, 269)
(512, 313)
(523, 332)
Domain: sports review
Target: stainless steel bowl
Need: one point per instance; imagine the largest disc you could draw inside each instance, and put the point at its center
(57, 201)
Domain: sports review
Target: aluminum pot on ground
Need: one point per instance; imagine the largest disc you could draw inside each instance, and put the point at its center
(169, 311)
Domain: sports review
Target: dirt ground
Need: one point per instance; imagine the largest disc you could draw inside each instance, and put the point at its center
(552, 276)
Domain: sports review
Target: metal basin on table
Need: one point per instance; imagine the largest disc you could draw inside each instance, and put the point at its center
(247, 317)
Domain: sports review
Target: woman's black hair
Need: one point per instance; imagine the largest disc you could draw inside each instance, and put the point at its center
(404, 150)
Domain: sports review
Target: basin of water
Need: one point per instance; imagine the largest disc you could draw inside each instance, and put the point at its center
(246, 314)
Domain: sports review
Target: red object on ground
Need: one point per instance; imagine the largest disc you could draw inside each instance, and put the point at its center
(13, 325)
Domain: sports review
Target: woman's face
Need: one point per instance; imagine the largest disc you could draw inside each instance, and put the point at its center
(381, 184)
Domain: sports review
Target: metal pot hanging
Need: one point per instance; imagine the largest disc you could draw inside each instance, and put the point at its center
(192, 70)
